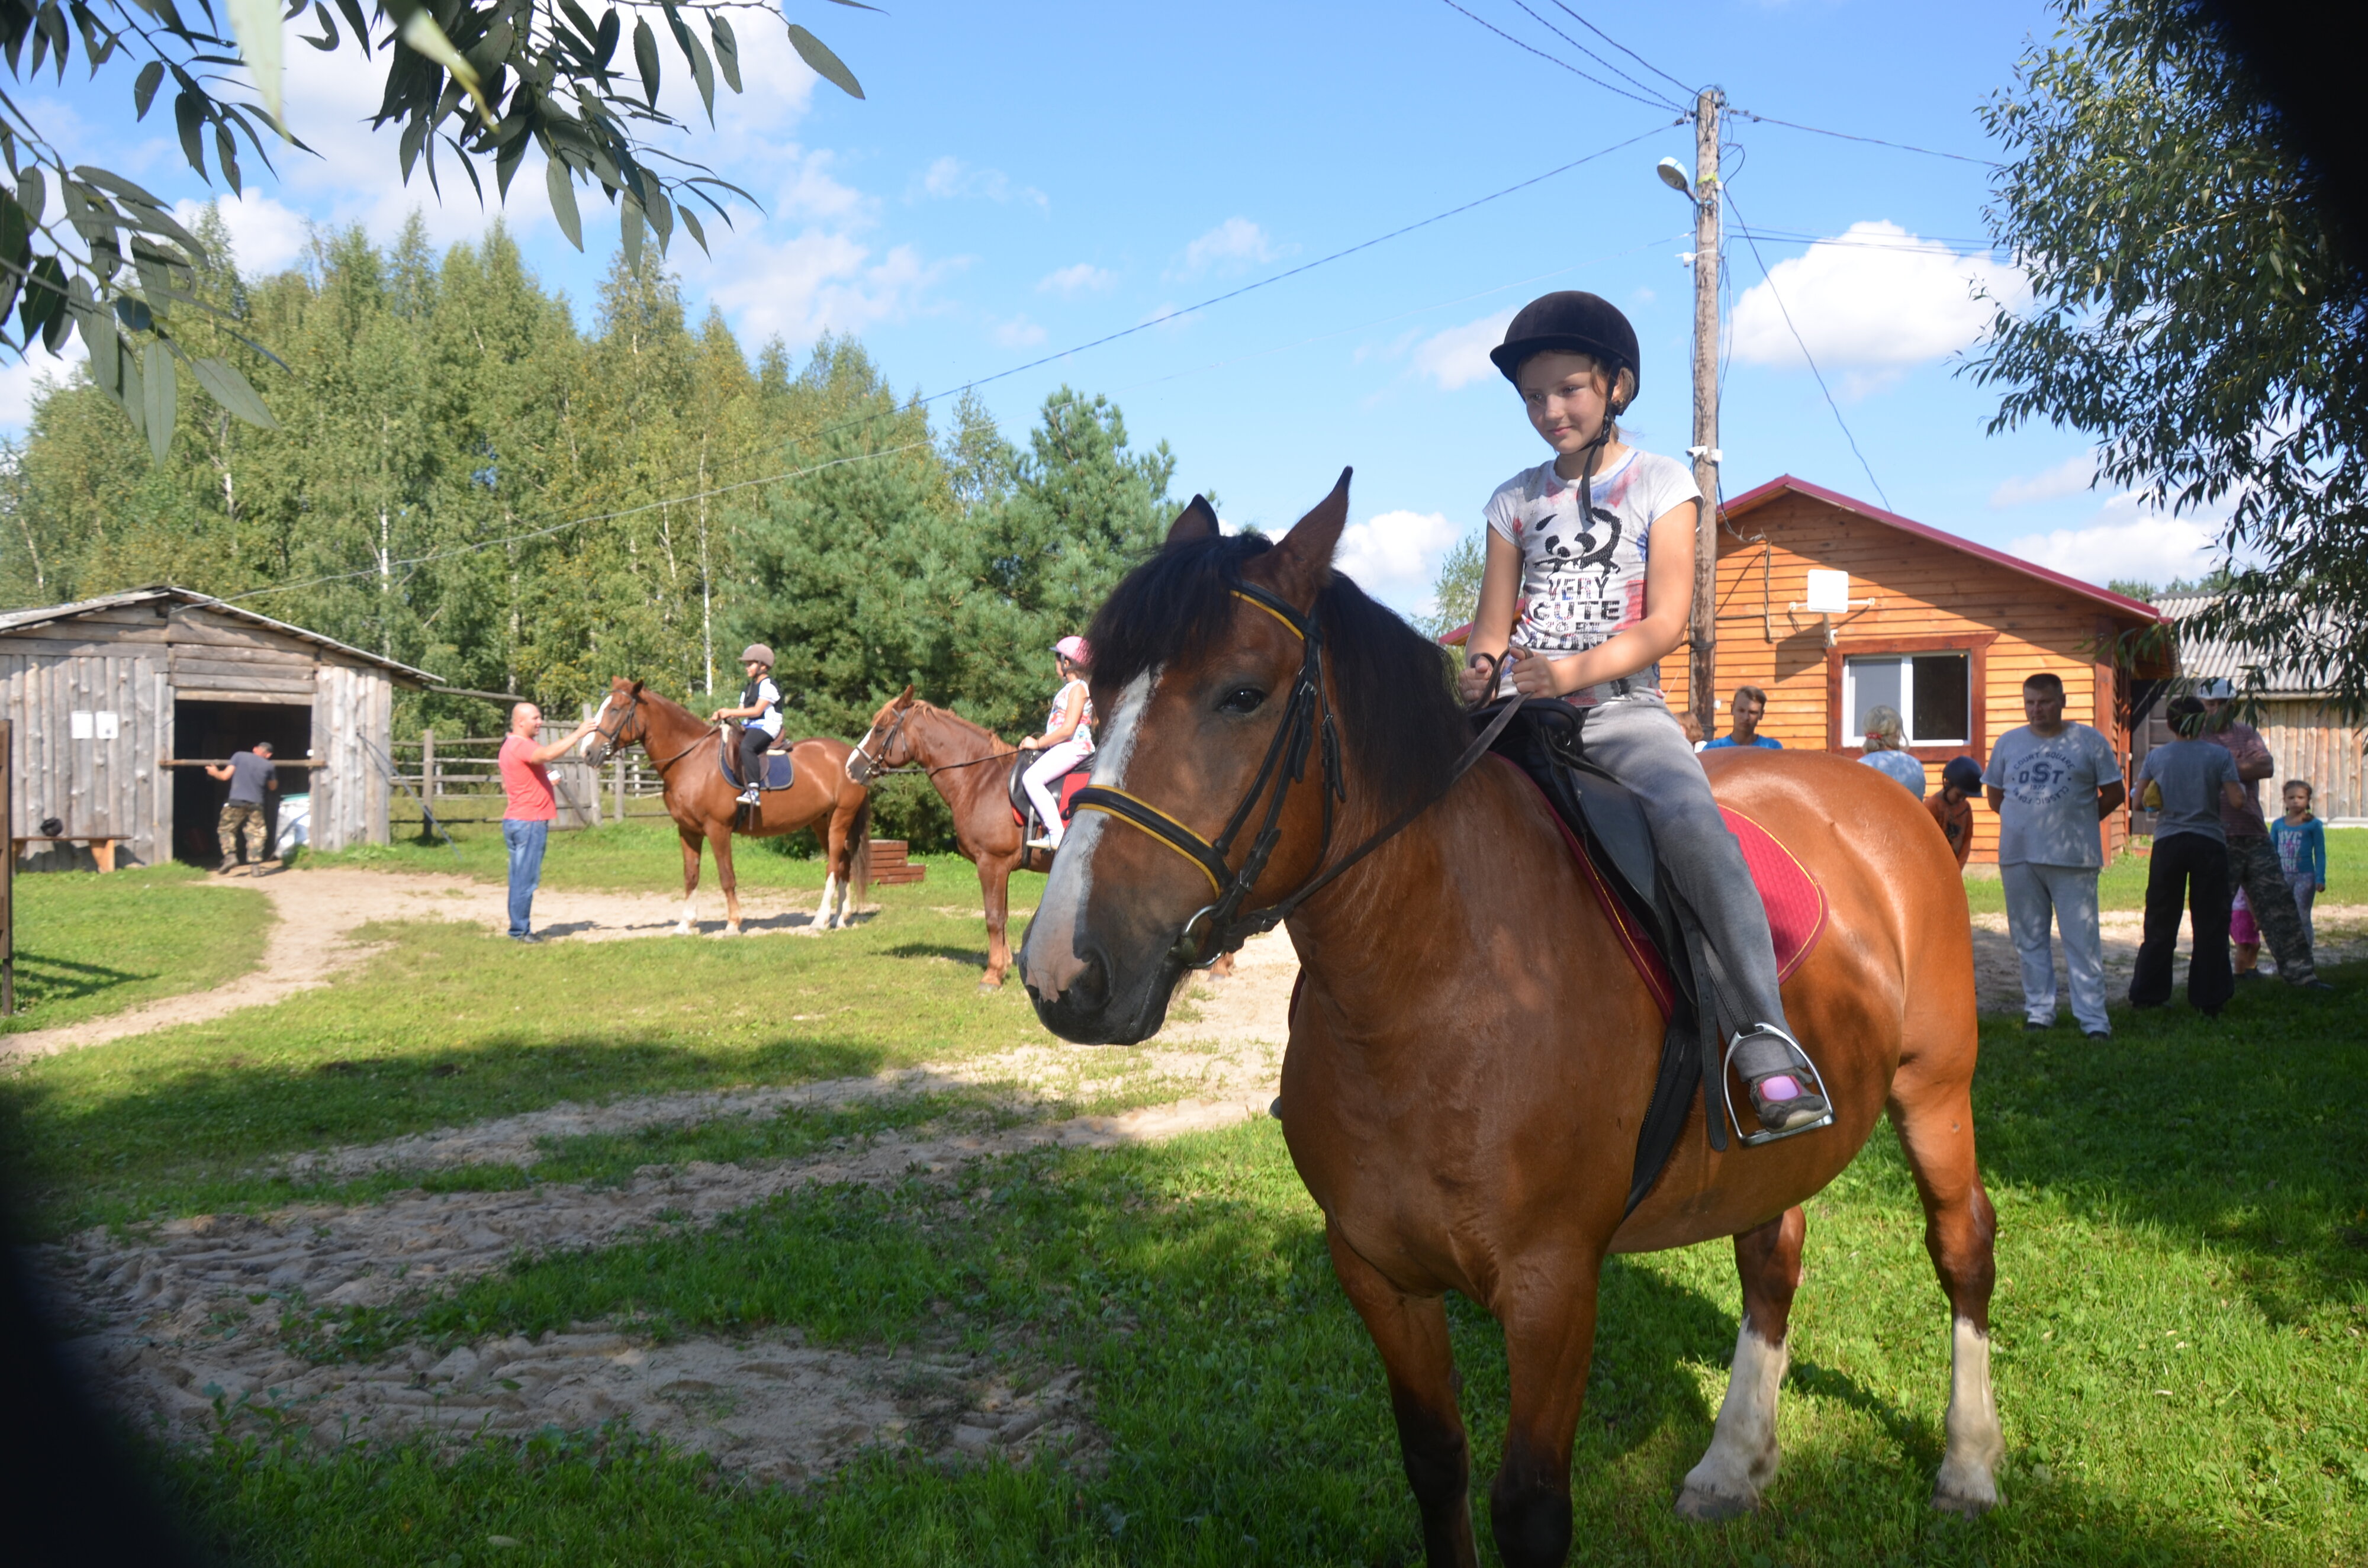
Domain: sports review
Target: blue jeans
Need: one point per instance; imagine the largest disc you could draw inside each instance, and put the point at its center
(525, 840)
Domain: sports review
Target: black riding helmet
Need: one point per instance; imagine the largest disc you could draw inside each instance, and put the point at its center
(1574, 322)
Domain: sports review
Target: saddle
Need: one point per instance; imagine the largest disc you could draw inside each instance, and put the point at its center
(1605, 829)
(779, 772)
(1023, 810)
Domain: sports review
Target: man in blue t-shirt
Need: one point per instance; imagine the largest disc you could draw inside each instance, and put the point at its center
(2186, 783)
(1746, 708)
(2051, 783)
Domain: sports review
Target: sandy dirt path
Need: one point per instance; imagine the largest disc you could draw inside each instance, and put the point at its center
(312, 940)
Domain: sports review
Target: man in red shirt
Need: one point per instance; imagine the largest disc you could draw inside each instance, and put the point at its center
(526, 821)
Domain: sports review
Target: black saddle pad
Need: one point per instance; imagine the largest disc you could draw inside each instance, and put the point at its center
(779, 773)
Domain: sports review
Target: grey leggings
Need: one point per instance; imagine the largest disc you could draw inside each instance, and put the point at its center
(1636, 740)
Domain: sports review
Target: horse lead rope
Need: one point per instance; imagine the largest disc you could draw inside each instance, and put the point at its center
(1292, 738)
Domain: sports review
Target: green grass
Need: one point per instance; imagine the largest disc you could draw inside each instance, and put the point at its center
(2123, 884)
(645, 855)
(2180, 1213)
(453, 1025)
(88, 944)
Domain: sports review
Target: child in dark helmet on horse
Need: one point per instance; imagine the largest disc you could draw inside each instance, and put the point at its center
(1588, 584)
(760, 717)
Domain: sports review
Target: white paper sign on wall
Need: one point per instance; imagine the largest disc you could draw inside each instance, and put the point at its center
(78, 726)
(106, 725)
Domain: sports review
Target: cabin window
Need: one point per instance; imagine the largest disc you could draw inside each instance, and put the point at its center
(1933, 693)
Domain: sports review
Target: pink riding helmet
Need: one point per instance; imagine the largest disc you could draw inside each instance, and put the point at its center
(1076, 650)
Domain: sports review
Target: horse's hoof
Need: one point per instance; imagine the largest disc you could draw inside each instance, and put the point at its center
(1713, 1507)
(1971, 1496)
(730, 931)
(990, 985)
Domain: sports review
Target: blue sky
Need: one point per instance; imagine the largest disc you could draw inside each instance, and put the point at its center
(1024, 178)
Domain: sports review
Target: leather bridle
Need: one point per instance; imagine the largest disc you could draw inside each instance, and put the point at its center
(612, 739)
(862, 748)
(1307, 720)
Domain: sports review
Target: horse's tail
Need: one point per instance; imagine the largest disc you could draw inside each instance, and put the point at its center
(859, 867)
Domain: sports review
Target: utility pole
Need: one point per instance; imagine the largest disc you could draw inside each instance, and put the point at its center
(1702, 667)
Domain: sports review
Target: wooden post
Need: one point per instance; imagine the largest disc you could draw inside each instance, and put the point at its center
(427, 767)
(8, 871)
(617, 784)
(1702, 667)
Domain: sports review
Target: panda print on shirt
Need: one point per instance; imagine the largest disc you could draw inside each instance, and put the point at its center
(1583, 577)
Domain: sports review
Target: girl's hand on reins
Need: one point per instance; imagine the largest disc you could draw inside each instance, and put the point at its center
(1478, 676)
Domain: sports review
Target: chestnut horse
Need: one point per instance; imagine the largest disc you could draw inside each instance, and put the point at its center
(1463, 1090)
(706, 807)
(972, 769)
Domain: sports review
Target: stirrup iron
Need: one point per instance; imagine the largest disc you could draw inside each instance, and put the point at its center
(1799, 1065)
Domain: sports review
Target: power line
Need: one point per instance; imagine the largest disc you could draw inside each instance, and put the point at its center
(1876, 140)
(1261, 283)
(1608, 66)
(459, 550)
(1921, 244)
(1774, 294)
(1554, 59)
(1623, 48)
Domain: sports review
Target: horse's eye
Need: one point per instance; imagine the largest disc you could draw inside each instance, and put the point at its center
(1241, 700)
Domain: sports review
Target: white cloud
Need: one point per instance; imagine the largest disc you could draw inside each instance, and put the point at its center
(1459, 356)
(2127, 540)
(265, 237)
(951, 177)
(1395, 556)
(2070, 477)
(1019, 332)
(1874, 300)
(818, 281)
(1235, 243)
(21, 378)
(1076, 279)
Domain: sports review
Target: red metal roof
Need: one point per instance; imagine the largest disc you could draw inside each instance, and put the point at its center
(2137, 609)
(1758, 495)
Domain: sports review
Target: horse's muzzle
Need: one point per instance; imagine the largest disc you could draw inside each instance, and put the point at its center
(1086, 1012)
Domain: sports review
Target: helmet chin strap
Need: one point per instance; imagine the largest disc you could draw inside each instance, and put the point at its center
(1611, 410)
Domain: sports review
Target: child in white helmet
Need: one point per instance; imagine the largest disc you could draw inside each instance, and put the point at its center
(761, 716)
(1068, 740)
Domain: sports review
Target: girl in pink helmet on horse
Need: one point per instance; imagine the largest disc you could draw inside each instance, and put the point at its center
(1068, 740)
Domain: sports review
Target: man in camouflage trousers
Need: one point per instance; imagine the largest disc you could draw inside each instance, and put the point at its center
(2253, 859)
(251, 774)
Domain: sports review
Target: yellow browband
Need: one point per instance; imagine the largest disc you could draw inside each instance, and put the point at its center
(1271, 610)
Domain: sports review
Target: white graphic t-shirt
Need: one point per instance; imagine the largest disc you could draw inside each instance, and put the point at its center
(1084, 738)
(2049, 815)
(1583, 579)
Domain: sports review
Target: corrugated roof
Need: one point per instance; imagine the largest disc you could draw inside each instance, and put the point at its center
(2211, 658)
(26, 619)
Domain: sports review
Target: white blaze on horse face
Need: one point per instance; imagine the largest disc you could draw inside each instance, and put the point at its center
(1743, 1456)
(1968, 1479)
(1049, 956)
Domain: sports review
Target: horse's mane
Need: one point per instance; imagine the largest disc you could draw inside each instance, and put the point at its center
(1399, 720)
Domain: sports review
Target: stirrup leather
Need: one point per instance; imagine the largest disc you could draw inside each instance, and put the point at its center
(1798, 1063)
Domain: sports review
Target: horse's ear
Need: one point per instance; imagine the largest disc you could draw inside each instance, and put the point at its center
(1195, 522)
(637, 688)
(905, 700)
(1304, 559)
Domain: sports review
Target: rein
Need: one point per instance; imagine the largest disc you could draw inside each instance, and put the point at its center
(1308, 718)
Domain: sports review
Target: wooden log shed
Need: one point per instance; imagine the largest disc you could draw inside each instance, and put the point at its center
(107, 695)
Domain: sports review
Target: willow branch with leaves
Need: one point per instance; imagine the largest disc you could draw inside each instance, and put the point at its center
(483, 80)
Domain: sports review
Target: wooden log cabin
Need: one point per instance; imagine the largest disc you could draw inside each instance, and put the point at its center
(115, 701)
(1833, 607)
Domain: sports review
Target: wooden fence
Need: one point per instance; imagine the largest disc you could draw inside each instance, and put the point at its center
(459, 780)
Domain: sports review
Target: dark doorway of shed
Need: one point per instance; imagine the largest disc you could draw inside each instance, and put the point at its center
(211, 731)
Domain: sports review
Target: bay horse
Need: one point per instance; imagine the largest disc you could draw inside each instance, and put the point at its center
(970, 767)
(706, 806)
(1463, 1090)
